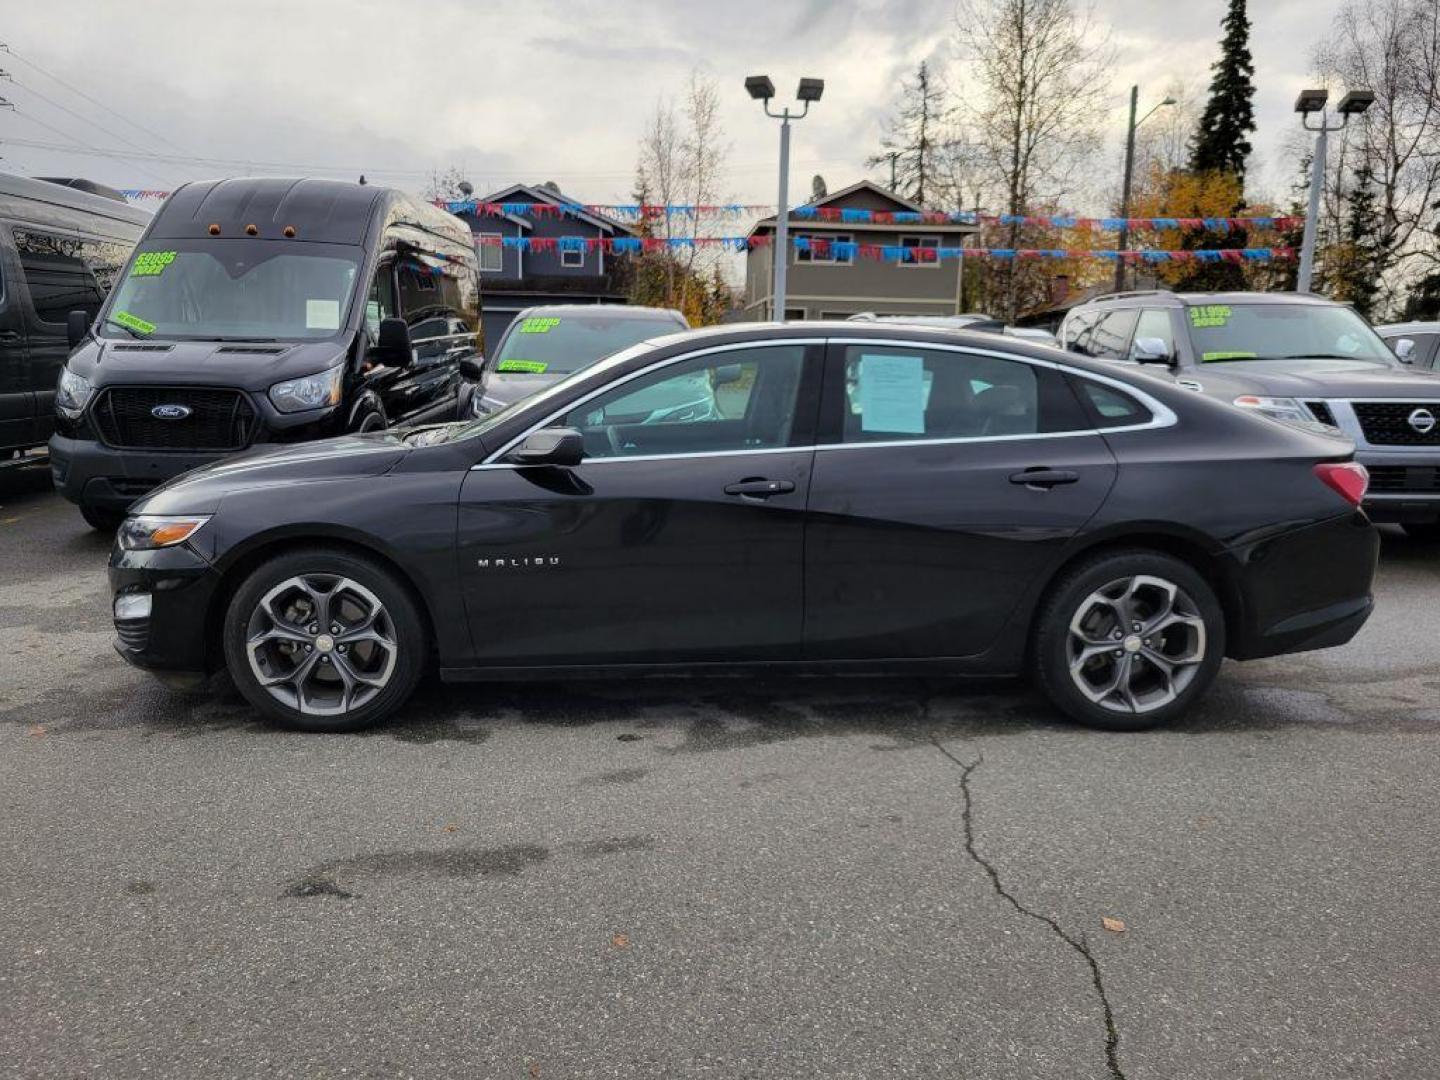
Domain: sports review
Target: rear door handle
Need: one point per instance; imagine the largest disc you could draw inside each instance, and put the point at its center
(760, 489)
(1044, 478)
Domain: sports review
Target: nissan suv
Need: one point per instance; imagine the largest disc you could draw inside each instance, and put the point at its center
(1297, 358)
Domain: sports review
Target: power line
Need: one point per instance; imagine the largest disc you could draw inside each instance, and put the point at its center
(98, 104)
(84, 147)
(82, 118)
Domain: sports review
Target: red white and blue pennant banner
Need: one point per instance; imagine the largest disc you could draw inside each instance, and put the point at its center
(836, 251)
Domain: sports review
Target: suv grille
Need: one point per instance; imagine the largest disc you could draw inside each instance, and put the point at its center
(1387, 423)
(218, 420)
(1421, 479)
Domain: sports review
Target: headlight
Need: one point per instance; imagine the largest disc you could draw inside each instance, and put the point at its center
(146, 532)
(1281, 408)
(311, 392)
(72, 394)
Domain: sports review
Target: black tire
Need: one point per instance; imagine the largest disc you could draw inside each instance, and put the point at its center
(1150, 697)
(371, 421)
(102, 518)
(402, 624)
(1427, 533)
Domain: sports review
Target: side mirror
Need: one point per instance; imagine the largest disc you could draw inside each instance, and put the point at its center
(1150, 350)
(727, 374)
(77, 325)
(471, 368)
(393, 342)
(1403, 348)
(551, 446)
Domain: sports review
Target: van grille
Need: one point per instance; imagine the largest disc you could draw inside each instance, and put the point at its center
(218, 420)
(1387, 423)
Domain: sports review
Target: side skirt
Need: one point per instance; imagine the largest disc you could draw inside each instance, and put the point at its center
(946, 667)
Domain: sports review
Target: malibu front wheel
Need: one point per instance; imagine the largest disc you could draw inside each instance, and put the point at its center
(324, 640)
(1128, 640)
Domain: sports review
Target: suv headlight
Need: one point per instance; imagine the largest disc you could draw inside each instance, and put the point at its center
(146, 532)
(311, 392)
(73, 394)
(1280, 408)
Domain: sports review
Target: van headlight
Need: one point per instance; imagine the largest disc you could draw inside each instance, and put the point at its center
(1279, 408)
(312, 392)
(73, 394)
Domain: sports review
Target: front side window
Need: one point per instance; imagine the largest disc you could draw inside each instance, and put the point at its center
(1154, 323)
(742, 399)
(271, 290)
(1221, 333)
(67, 273)
(894, 393)
(380, 304)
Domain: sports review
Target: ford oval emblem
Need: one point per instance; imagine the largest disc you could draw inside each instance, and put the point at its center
(1422, 420)
(171, 412)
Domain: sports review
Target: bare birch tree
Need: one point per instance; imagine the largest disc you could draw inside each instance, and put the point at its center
(1038, 68)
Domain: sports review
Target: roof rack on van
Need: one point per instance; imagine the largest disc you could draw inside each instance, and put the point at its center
(81, 184)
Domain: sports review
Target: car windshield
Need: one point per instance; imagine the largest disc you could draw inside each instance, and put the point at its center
(1239, 332)
(563, 344)
(248, 290)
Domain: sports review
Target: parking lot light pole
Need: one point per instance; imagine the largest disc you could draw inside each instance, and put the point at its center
(762, 89)
(1308, 103)
(1124, 240)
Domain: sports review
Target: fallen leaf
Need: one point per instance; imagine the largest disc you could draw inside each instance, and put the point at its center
(452, 827)
(1115, 926)
(620, 941)
(37, 730)
(535, 1068)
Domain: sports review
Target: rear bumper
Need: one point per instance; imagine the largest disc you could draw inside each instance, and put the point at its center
(92, 474)
(1305, 589)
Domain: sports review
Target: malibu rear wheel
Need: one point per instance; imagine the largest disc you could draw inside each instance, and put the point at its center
(324, 640)
(1128, 640)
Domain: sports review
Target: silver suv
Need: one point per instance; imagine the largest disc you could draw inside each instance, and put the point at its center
(1297, 358)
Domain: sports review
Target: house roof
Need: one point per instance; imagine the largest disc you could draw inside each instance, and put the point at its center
(542, 194)
(873, 191)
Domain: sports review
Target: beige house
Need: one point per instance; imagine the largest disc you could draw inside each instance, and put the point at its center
(829, 282)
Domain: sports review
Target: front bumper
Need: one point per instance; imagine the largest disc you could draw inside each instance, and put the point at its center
(174, 641)
(91, 474)
(1305, 589)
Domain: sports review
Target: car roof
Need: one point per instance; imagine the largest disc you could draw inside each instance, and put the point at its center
(615, 311)
(1189, 299)
(1417, 326)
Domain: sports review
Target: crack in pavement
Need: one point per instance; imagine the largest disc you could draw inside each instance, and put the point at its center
(1112, 1036)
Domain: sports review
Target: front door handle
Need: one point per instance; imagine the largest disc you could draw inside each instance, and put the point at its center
(1044, 478)
(760, 489)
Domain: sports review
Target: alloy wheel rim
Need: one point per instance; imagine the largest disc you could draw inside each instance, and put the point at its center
(1135, 644)
(321, 644)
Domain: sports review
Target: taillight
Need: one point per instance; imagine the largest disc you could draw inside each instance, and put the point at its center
(1349, 478)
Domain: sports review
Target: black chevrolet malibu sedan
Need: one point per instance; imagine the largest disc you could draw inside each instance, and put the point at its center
(856, 499)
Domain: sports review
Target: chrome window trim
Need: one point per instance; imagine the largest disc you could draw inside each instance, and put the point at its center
(1161, 415)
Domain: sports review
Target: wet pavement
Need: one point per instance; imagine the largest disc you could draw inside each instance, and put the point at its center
(787, 878)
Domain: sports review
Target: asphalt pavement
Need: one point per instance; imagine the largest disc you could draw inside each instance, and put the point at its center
(788, 878)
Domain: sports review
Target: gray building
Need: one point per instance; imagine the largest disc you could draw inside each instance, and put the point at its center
(512, 279)
(827, 283)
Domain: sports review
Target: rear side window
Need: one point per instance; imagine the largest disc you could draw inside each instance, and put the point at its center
(901, 394)
(1111, 336)
(1112, 408)
(67, 273)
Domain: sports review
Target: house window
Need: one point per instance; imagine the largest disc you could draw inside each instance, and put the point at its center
(821, 251)
(490, 253)
(920, 250)
(572, 257)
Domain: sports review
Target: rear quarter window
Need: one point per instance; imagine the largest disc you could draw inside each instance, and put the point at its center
(1110, 407)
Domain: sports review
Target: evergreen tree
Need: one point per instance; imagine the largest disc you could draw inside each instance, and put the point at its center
(1221, 140)
(914, 136)
(1355, 277)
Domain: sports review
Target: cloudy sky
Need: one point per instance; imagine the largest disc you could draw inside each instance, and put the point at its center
(550, 89)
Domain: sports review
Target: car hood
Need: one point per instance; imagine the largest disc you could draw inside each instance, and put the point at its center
(199, 491)
(1317, 379)
(247, 366)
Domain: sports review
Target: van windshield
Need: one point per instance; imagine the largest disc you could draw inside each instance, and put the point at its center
(251, 290)
(564, 344)
(1233, 333)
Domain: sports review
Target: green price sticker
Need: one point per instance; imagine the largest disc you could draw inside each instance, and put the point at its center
(538, 326)
(1205, 358)
(134, 322)
(1209, 315)
(530, 367)
(151, 263)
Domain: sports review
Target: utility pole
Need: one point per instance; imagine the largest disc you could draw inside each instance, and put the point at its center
(1124, 240)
